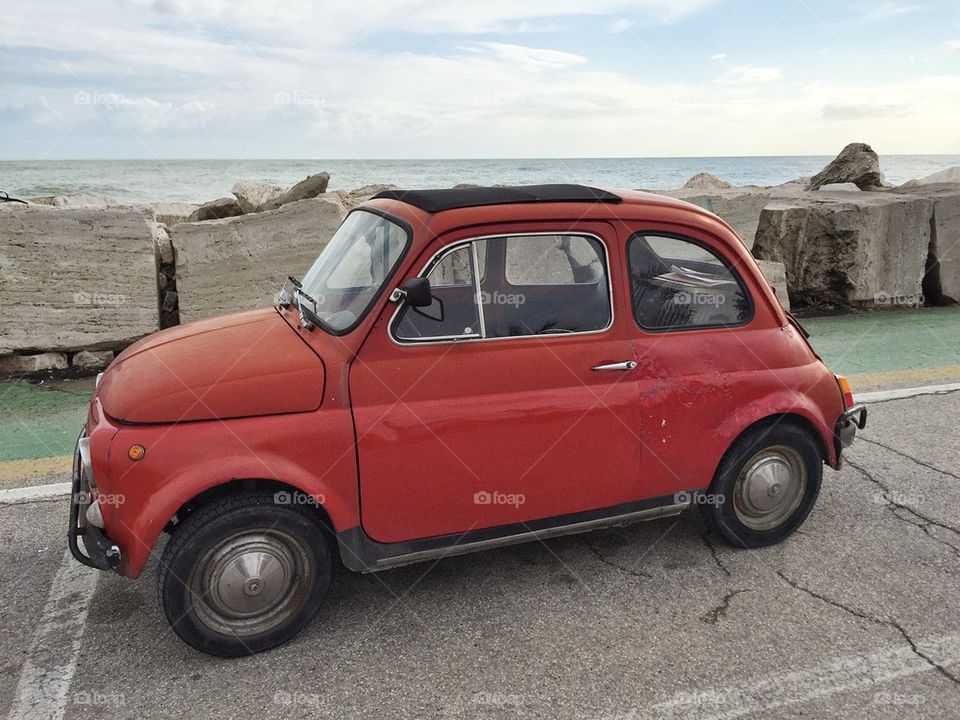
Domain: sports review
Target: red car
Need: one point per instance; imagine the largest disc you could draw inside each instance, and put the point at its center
(459, 370)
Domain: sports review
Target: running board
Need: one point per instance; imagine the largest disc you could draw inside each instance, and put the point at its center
(361, 553)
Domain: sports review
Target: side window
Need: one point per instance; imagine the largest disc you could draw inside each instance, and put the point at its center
(454, 312)
(678, 284)
(527, 285)
(550, 284)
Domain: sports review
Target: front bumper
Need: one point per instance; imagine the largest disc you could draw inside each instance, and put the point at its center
(846, 430)
(98, 550)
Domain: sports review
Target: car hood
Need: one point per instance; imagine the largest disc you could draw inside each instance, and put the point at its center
(250, 363)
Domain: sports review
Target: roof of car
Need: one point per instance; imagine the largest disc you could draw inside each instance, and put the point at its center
(433, 201)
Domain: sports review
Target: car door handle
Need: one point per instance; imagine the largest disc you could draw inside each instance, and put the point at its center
(615, 367)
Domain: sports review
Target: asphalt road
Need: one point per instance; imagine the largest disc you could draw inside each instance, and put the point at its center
(856, 616)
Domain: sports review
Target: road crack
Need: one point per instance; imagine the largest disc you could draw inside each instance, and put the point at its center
(713, 551)
(923, 522)
(886, 622)
(616, 566)
(912, 459)
(713, 617)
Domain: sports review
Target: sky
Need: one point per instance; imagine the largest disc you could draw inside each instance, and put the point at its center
(495, 78)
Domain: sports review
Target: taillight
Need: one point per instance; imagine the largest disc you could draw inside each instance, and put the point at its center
(846, 391)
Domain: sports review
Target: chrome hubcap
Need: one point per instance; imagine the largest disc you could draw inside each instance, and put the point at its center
(770, 487)
(250, 582)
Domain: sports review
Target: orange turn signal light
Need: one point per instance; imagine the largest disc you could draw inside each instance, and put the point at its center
(845, 389)
(136, 452)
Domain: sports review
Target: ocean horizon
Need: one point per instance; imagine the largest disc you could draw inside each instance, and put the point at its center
(200, 180)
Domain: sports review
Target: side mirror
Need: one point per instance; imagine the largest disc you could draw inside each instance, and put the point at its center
(417, 292)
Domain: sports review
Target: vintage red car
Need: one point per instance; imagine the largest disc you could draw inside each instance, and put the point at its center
(460, 369)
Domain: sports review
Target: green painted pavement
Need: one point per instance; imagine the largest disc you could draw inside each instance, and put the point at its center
(882, 341)
(43, 420)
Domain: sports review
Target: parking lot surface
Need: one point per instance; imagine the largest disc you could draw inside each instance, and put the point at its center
(855, 616)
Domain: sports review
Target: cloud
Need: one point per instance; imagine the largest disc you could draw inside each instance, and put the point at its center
(748, 74)
(621, 25)
(890, 10)
(953, 46)
(841, 111)
(719, 57)
(530, 57)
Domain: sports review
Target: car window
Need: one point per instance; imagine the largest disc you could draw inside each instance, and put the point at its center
(531, 285)
(552, 260)
(454, 312)
(679, 284)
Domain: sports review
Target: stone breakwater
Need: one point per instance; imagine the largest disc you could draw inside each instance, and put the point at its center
(82, 277)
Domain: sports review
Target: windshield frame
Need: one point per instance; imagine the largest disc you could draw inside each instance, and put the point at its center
(388, 276)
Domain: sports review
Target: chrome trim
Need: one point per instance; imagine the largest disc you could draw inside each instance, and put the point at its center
(93, 514)
(475, 264)
(572, 529)
(450, 248)
(615, 367)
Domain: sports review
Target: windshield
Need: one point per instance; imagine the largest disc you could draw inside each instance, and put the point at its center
(352, 269)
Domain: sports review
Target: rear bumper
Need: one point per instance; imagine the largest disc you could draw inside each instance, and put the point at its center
(98, 550)
(846, 430)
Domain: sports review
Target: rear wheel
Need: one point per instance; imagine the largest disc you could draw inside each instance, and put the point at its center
(766, 485)
(244, 574)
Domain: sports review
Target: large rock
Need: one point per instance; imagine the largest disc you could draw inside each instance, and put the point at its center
(169, 213)
(240, 263)
(309, 187)
(706, 181)
(868, 248)
(255, 196)
(739, 207)
(857, 163)
(66, 201)
(942, 279)
(92, 359)
(950, 175)
(75, 278)
(29, 364)
(216, 210)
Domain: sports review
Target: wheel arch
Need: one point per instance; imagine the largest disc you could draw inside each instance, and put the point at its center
(770, 421)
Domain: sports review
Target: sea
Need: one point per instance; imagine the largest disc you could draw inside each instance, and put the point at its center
(202, 180)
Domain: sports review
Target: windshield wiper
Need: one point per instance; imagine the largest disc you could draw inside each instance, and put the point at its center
(299, 295)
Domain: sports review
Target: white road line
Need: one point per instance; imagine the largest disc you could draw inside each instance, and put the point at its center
(903, 393)
(770, 692)
(52, 658)
(15, 496)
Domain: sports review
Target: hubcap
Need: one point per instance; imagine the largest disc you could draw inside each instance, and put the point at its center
(250, 582)
(770, 487)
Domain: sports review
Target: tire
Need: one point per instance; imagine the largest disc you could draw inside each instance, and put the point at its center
(766, 485)
(244, 574)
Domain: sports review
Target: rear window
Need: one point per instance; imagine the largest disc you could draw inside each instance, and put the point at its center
(679, 284)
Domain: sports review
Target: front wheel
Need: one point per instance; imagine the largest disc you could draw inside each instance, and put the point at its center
(765, 486)
(244, 574)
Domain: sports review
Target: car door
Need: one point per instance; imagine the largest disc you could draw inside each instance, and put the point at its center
(509, 399)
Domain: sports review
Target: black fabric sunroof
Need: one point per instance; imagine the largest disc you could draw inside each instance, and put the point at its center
(436, 200)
